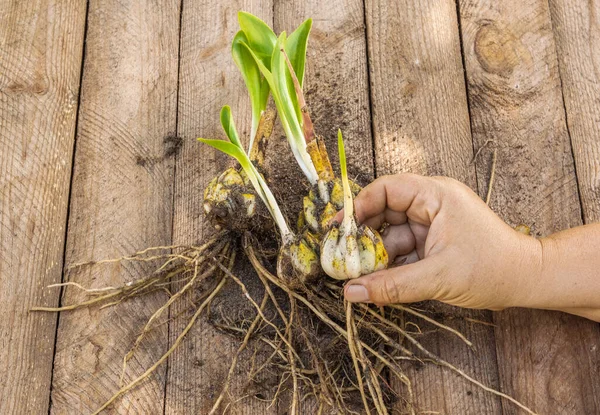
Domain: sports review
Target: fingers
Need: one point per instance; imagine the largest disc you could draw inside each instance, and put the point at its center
(394, 198)
(398, 240)
(409, 258)
(420, 233)
(388, 216)
(405, 284)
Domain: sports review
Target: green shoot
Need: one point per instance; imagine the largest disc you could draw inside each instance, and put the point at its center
(295, 48)
(278, 77)
(258, 87)
(260, 36)
(229, 126)
(234, 149)
(348, 201)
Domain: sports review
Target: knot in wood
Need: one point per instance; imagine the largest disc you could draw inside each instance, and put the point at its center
(498, 51)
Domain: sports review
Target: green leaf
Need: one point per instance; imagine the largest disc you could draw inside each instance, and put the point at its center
(258, 87)
(260, 36)
(264, 69)
(280, 84)
(229, 126)
(237, 153)
(227, 148)
(295, 48)
(277, 97)
(276, 76)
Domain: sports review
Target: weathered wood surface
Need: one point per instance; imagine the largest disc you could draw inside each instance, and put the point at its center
(208, 80)
(130, 189)
(576, 27)
(40, 65)
(120, 203)
(421, 125)
(547, 360)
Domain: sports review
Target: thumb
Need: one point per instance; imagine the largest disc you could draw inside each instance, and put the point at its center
(404, 284)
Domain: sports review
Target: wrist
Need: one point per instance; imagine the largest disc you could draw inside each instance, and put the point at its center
(526, 271)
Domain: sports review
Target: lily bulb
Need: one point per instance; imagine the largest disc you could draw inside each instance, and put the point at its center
(347, 250)
(322, 203)
(298, 260)
(229, 200)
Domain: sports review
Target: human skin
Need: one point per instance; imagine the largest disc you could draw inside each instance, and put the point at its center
(449, 246)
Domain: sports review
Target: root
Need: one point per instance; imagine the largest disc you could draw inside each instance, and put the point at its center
(82, 288)
(489, 140)
(432, 321)
(115, 295)
(349, 335)
(140, 255)
(492, 176)
(376, 343)
(352, 345)
(256, 306)
(292, 359)
(371, 375)
(240, 349)
(453, 368)
(164, 357)
(148, 327)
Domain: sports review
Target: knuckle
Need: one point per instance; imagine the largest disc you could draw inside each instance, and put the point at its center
(388, 291)
(439, 284)
(452, 189)
(386, 178)
(448, 183)
(407, 177)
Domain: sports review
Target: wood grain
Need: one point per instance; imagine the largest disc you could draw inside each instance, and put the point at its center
(208, 80)
(576, 27)
(121, 202)
(421, 125)
(548, 361)
(40, 63)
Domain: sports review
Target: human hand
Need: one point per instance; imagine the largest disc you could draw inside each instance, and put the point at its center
(452, 247)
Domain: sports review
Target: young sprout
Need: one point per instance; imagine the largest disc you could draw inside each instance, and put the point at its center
(281, 62)
(234, 148)
(347, 250)
(326, 197)
(266, 50)
(298, 259)
(258, 87)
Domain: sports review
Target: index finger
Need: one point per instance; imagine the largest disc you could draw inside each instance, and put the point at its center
(394, 199)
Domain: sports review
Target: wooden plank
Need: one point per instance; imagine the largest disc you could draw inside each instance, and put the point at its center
(577, 37)
(208, 80)
(547, 360)
(40, 66)
(421, 125)
(337, 84)
(121, 202)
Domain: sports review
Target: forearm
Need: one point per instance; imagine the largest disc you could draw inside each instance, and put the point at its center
(569, 275)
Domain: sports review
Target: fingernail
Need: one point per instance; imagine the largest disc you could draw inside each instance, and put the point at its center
(357, 294)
